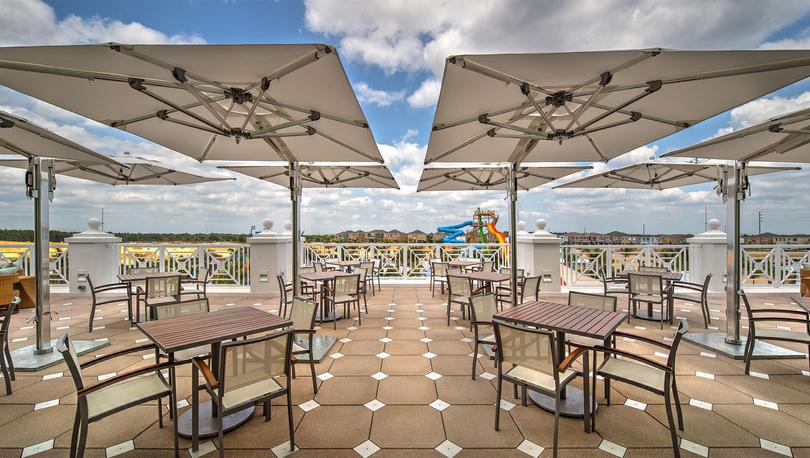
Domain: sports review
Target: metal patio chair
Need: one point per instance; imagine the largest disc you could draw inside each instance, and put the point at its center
(184, 308)
(649, 289)
(285, 292)
(362, 286)
(196, 285)
(302, 315)
(123, 294)
(528, 358)
(529, 287)
(141, 270)
(685, 291)
(159, 290)
(591, 301)
(6, 364)
(482, 308)
(459, 291)
(125, 390)
(343, 291)
(438, 274)
(369, 277)
(250, 372)
(769, 315)
(653, 269)
(645, 373)
(614, 286)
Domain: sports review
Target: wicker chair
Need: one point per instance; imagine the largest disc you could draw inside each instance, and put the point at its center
(250, 372)
(123, 294)
(7, 293)
(6, 364)
(115, 394)
(459, 291)
(685, 291)
(197, 285)
(482, 309)
(769, 315)
(302, 315)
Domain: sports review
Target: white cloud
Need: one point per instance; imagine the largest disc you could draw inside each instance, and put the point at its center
(378, 97)
(799, 41)
(765, 108)
(29, 22)
(427, 95)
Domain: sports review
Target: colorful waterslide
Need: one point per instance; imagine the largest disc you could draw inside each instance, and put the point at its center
(455, 234)
(498, 234)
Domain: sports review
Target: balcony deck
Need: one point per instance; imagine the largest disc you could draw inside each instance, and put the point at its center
(407, 425)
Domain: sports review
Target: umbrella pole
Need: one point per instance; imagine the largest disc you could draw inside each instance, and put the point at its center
(734, 195)
(512, 190)
(295, 197)
(39, 182)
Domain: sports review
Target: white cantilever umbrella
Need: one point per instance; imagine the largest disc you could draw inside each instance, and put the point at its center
(316, 175)
(665, 174)
(450, 177)
(290, 102)
(39, 146)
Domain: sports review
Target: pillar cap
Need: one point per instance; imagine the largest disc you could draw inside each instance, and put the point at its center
(713, 233)
(93, 234)
(268, 234)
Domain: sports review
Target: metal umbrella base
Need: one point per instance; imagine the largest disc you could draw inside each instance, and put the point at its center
(573, 406)
(27, 360)
(716, 342)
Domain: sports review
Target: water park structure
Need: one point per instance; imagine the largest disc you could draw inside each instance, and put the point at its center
(482, 229)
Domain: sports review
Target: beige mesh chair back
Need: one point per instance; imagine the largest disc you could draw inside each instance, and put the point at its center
(302, 314)
(439, 269)
(362, 271)
(483, 307)
(653, 269)
(648, 286)
(202, 274)
(162, 287)
(530, 349)
(488, 266)
(531, 289)
(318, 266)
(459, 290)
(306, 269)
(175, 309)
(347, 285)
(507, 270)
(592, 301)
(144, 270)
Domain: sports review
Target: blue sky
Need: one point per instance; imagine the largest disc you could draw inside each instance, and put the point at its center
(393, 52)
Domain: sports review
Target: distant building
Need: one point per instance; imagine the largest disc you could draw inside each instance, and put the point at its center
(417, 236)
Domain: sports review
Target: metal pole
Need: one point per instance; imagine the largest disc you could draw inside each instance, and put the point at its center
(734, 194)
(39, 187)
(295, 196)
(512, 190)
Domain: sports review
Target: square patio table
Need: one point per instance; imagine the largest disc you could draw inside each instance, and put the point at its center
(487, 278)
(183, 332)
(464, 263)
(563, 319)
(343, 265)
(142, 276)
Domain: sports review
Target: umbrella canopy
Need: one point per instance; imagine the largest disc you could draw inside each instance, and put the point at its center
(133, 170)
(663, 175)
(784, 138)
(323, 175)
(216, 102)
(20, 137)
(443, 178)
(592, 106)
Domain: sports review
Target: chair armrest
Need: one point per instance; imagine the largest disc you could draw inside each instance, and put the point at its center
(111, 286)
(780, 320)
(124, 376)
(209, 377)
(481, 323)
(687, 285)
(638, 358)
(149, 346)
(787, 311)
(304, 331)
(569, 360)
(643, 339)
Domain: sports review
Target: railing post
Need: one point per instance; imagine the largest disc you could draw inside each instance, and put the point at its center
(707, 255)
(539, 253)
(92, 254)
(270, 256)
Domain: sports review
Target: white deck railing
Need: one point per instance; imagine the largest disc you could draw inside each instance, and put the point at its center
(58, 259)
(582, 265)
(776, 265)
(227, 264)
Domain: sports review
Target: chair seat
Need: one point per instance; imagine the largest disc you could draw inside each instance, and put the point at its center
(782, 334)
(647, 298)
(248, 393)
(538, 378)
(125, 393)
(582, 341)
(617, 290)
(160, 300)
(630, 370)
(460, 298)
(343, 298)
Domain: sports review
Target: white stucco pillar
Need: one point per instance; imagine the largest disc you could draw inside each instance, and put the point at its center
(92, 253)
(539, 254)
(707, 254)
(270, 254)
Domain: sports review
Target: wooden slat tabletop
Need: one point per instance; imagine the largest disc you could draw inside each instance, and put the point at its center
(494, 277)
(182, 332)
(140, 276)
(321, 276)
(667, 276)
(463, 263)
(582, 321)
(804, 302)
(335, 262)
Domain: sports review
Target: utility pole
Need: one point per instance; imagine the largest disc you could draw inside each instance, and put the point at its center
(759, 220)
(102, 219)
(643, 229)
(705, 219)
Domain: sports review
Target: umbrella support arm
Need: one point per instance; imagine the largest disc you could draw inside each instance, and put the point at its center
(295, 197)
(512, 189)
(734, 193)
(39, 182)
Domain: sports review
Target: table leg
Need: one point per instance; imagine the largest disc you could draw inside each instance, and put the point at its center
(195, 409)
(586, 396)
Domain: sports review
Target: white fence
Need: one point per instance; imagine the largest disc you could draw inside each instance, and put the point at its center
(57, 253)
(227, 264)
(584, 264)
(776, 265)
(406, 260)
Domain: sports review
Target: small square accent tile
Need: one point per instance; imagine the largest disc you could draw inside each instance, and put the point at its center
(96, 328)
(106, 376)
(345, 340)
(204, 449)
(422, 318)
(705, 375)
(466, 340)
(62, 328)
(282, 450)
(459, 328)
(448, 449)
(379, 375)
(629, 339)
(775, 447)
(337, 355)
(426, 340)
(367, 449)
(487, 376)
(707, 354)
(768, 303)
(64, 318)
(37, 448)
(103, 339)
(309, 405)
(433, 375)
(25, 328)
(258, 303)
(390, 310)
(660, 355)
(506, 405)
(700, 404)
(784, 328)
(640, 328)
(149, 356)
(806, 373)
(52, 376)
(613, 449)
(386, 340)
(635, 404)
(423, 328)
(715, 328)
(382, 355)
(351, 328)
(140, 341)
(439, 405)
(767, 404)
(374, 405)
(429, 355)
(530, 448)
(420, 311)
(388, 328)
(46, 404)
(120, 449)
(325, 376)
(392, 304)
(695, 448)
(19, 339)
(454, 318)
(759, 375)
(390, 318)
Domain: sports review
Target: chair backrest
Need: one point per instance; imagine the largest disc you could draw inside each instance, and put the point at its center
(318, 267)
(347, 284)
(10, 308)
(592, 301)
(439, 268)
(487, 266)
(683, 328)
(748, 311)
(706, 282)
(302, 314)
(508, 270)
(531, 348)
(173, 309)
(65, 347)
(368, 265)
(458, 285)
(483, 307)
(282, 286)
(531, 288)
(144, 270)
(653, 269)
(7, 293)
(362, 271)
(158, 287)
(247, 362)
(453, 270)
(650, 285)
(202, 275)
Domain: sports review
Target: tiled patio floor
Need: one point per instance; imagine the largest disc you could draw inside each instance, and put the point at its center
(388, 393)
